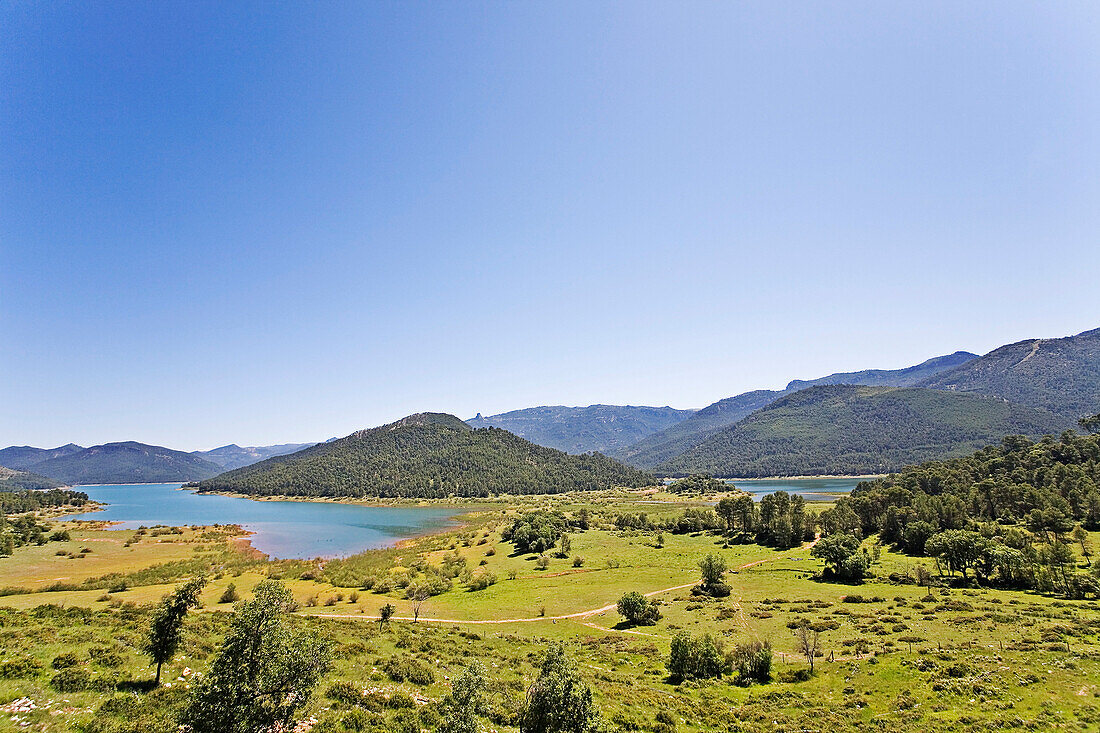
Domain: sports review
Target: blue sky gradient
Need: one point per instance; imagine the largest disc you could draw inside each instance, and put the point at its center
(271, 222)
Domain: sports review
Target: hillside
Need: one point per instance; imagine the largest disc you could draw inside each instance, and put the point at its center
(427, 455)
(233, 456)
(1061, 375)
(12, 480)
(845, 429)
(666, 444)
(23, 457)
(129, 462)
(603, 428)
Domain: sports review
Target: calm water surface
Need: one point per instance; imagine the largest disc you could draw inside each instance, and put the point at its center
(283, 529)
(810, 489)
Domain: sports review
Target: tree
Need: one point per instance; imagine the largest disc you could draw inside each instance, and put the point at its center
(809, 640)
(418, 596)
(385, 614)
(638, 610)
(564, 546)
(264, 671)
(230, 595)
(713, 569)
(1081, 537)
(462, 706)
(959, 548)
(559, 701)
(842, 556)
(753, 662)
(167, 628)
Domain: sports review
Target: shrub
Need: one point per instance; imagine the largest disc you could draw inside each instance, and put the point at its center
(543, 562)
(65, 660)
(578, 561)
(694, 658)
(793, 675)
(402, 669)
(753, 662)
(344, 692)
(19, 667)
(72, 679)
(482, 580)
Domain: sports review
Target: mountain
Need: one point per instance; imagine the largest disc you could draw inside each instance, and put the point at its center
(847, 429)
(129, 462)
(12, 480)
(427, 455)
(22, 457)
(233, 456)
(603, 428)
(1061, 375)
(666, 444)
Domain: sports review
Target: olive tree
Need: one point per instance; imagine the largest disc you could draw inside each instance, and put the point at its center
(264, 671)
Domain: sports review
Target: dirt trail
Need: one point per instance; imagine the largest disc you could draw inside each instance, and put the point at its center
(565, 617)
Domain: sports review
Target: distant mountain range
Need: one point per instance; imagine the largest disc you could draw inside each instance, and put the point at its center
(666, 444)
(1061, 375)
(427, 455)
(851, 429)
(22, 457)
(128, 462)
(603, 428)
(234, 456)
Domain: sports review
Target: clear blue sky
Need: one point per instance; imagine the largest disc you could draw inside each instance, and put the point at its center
(269, 222)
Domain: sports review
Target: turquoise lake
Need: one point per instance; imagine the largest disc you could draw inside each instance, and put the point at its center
(810, 489)
(282, 529)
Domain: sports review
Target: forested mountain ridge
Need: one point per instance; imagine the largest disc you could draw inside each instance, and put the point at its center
(1061, 375)
(667, 444)
(234, 456)
(603, 428)
(23, 457)
(427, 455)
(13, 480)
(126, 462)
(849, 429)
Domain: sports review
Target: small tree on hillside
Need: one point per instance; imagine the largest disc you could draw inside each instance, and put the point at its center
(461, 708)
(809, 643)
(264, 671)
(842, 556)
(385, 614)
(559, 701)
(167, 627)
(713, 569)
(638, 610)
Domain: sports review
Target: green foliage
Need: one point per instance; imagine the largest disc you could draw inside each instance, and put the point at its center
(842, 556)
(264, 671)
(638, 610)
(230, 594)
(712, 569)
(536, 531)
(858, 430)
(427, 455)
(559, 701)
(693, 657)
(461, 707)
(408, 669)
(23, 481)
(698, 483)
(753, 663)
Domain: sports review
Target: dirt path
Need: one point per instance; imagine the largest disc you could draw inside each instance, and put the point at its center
(578, 615)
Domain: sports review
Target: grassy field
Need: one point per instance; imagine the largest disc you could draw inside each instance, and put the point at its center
(895, 656)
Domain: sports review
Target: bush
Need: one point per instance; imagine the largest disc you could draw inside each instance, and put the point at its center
(482, 580)
(65, 660)
(793, 675)
(344, 692)
(72, 679)
(543, 562)
(694, 658)
(753, 662)
(19, 667)
(578, 561)
(536, 531)
(402, 669)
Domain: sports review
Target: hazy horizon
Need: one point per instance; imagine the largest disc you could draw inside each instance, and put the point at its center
(261, 224)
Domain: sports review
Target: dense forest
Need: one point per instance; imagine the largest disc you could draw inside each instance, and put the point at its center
(1009, 513)
(427, 455)
(859, 430)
